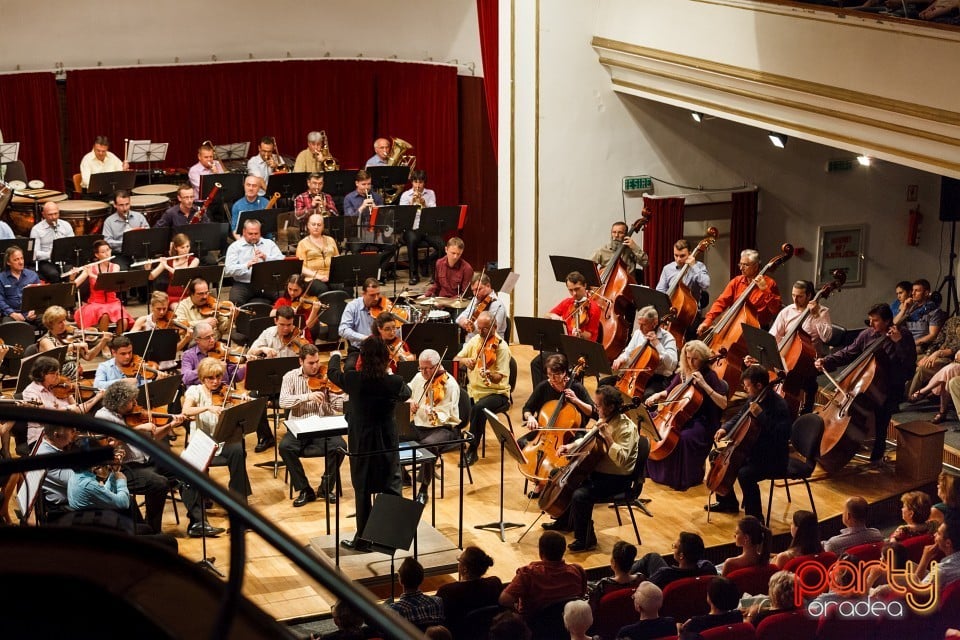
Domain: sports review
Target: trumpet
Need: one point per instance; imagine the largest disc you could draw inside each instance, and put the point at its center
(417, 198)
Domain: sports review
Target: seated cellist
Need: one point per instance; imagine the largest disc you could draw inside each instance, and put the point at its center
(649, 332)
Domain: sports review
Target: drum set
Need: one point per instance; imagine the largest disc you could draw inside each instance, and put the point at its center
(424, 309)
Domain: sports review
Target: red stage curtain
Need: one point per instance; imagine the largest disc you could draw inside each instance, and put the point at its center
(662, 231)
(30, 115)
(241, 102)
(488, 17)
(743, 226)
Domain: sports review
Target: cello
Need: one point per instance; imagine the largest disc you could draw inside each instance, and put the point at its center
(797, 350)
(726, 331)
(643, 362)
(557, 419)
(681, 298)
(614, 305)
(676, 410)
(558, 492)
(739, 442)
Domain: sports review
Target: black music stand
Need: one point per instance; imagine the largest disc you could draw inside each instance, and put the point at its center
(121, 282)
(266, 217)
(439, 336)
(265, 377)
(143, 244)
(339, 183)
(498, 277)
(762, 347)
(407, 369)
(392, 525)
(162, 391)
(239, 420)
(385, 177)
(160, 346)
(592, 353)
(231, 187)
(211, 275)
(335, 227)
(26, 365)
(438, 221)
(205, 237)
(543, 334)
(403, 217)
(105, 184)
(353, 270)
(646, 297)
(564, 265)
(37, 299)
(273, 275)
(508, 444)
(288, 185)
(25, 244)
(74, 250)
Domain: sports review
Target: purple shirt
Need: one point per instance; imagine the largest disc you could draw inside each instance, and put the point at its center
(174, 217)
(190, 362)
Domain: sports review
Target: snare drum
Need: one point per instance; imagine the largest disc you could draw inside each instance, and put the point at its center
(168, 191)
(152, 207)
(20, 214)
(439, 315)
(85, 216)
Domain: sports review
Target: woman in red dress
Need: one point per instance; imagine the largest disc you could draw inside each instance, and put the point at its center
(101, 307)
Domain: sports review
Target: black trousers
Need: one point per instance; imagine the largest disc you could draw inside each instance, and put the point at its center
(292, 449)
(147, 480)
(234, 457)
(596, 488)
(749, 477)
(478, 419)
(415, 238)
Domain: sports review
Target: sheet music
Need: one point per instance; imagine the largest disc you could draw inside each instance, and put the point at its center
(509, 283)
(328, 425)
(200, 451)
(29, 491)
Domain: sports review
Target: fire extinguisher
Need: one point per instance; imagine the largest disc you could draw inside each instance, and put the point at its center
(913, 227)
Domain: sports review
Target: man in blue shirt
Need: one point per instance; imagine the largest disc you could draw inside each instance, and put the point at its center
(109, 371)
(12, 282)
(249, 250)
(250, 201)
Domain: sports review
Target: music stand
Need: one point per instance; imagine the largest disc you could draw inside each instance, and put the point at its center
(204, 237)
(543, 334)
(239, 420)
(265, 377)
(105, 184)
(231, 187)
(392, 525)
(508, 444)
(403, 217)
(211, 275)
(162, 344)
(25, 244)
(565, 265)
(288, 185)
(385, 177)
(592, 353)
(334, 227)
(443, 219)
(354, 269)
(287, 223)
(647, 297)
(73, 250)
(145, 243)
(162, 392)
(438, 336)
(26, 365)
(498, 277)
(763, 348)
(121, 282)
(9, 152)
(37, 299)
(266, 217)
(339, 183)
(232, 151)
(146, 151)
(407, 369)
(273, 275)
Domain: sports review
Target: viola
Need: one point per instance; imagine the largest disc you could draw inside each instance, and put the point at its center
(643, 362)
(67, 388)
(166, 321)
(681, 298)
(15, 349)
(676, 410)
(138, 366)
(138, 415)
(321, 381)
(614, 304)
(557, 420)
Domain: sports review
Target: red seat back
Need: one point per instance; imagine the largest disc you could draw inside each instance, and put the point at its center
(915, 545)
(866, 552)
(614, 611)
(836, 628)
(792, 625)
(739, 631)
(685, 598)
(753, 580)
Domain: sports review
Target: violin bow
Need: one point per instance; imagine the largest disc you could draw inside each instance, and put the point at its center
(434, 376)
(233, 377)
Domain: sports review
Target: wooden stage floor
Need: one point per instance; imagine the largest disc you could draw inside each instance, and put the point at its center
(274, 584)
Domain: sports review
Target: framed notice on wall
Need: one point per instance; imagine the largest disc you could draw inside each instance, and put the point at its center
(841, 247)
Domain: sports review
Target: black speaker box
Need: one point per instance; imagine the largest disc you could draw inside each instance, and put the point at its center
(949, 199)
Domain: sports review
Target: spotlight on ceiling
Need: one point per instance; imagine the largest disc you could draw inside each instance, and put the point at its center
(778, 140)
(697, 116)
(864, 160)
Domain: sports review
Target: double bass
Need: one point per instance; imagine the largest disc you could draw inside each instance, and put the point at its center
(558, 492)
(614, 305)
(681, 298)
(726, 332)
(643, 362)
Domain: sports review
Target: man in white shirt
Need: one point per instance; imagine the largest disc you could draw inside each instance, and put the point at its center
(242, 255)
(649, 332)
(122, 219)
(265, 162)
(420, 233)
(277, 341)
(44, 233)
(99, 160)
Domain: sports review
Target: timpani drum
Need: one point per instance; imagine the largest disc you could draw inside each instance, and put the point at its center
(85, 216)
(152, 207)
(20, 214)
(168, 191)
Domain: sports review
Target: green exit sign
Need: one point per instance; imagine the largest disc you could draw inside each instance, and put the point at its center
(637, 183)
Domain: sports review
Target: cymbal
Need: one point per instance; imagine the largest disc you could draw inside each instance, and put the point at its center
(425, 301)
(453, 303)
(406, 293)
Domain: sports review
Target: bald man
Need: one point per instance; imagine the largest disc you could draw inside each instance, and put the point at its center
(381, 151)
(44, 233)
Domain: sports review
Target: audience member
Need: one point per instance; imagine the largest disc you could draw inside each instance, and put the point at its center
(621, 559)
(647, 600)
(723, 596)
(545, 581)
(472, 590)
(915, 510)
(856, 531)
(577, 618)
(922, 315)
(948, 490)
(902, 294)
(688, 553)
(414, 605)
(349, 623)
(754, 540)
(805, 530)
(509, 626)
(780, 591)
(437, 632)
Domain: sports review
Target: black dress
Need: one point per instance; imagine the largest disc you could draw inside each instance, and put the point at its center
(371, 427)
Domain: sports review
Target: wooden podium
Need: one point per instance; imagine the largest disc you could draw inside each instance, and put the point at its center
(920, 450)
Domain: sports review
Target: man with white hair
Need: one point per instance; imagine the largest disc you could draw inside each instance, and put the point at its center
(764, 300)
(434, 404)
(647, 600)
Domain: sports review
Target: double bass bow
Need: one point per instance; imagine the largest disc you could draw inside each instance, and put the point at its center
(614, 304)
(681, 298)
(727, 333)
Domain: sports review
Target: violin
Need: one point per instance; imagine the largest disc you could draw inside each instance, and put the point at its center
(226, 397)
(399, 351)
(211, 307)
(384, 305)
(15, 349)
(480, 307)
(578, 316)
(219, 351)
(613, 298)
(306, 303)
(67, 388)
(138, 415)
(73, 333)
(321, 381)
(487, 358)
(166, 321)
(294, 343)
(138, 366)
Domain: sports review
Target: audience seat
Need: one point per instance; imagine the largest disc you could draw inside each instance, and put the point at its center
(915, 545)
(865, 552)
(826, 558)
(835, 628)
(753, 580)
(476, 624)
(739, 631)
(547, 623)
(685, 598)
(792, 625)
(614, 611)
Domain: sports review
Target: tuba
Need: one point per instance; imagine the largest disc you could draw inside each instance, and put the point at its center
(398, 158)
(326, 159)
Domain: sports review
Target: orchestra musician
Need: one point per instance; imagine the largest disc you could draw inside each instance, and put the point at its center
(180, 214)
(45, 376)
(242, 255)
(265, 162)
(356, 323)
(56, 439)
(102, 307)
(902, 353)
(371, 426)
(434, 407)
(683, 468)
(386, 327)
(144, 477)
(60, 334)
(317, 251)
(557, 385)
(579, 313)
(191, 309)
(122, 219)
(309, 160)
(308, 312)
(251, 201)
(381, 151)
(620, 441)
(451, 274)
(279, 340)
(44, 233)
(358, 206)
(768, 456)
(697, 278)
(649, 329)
(109, 371)
(483, 294)
(422, 197)
(765, 299)
(634, 260)
(199, 404)
(162, 272)
(303, 401)
(160, 316)
(13, 280)
(488, 385)
(99, 160)
(314, 200)
(206, 165)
